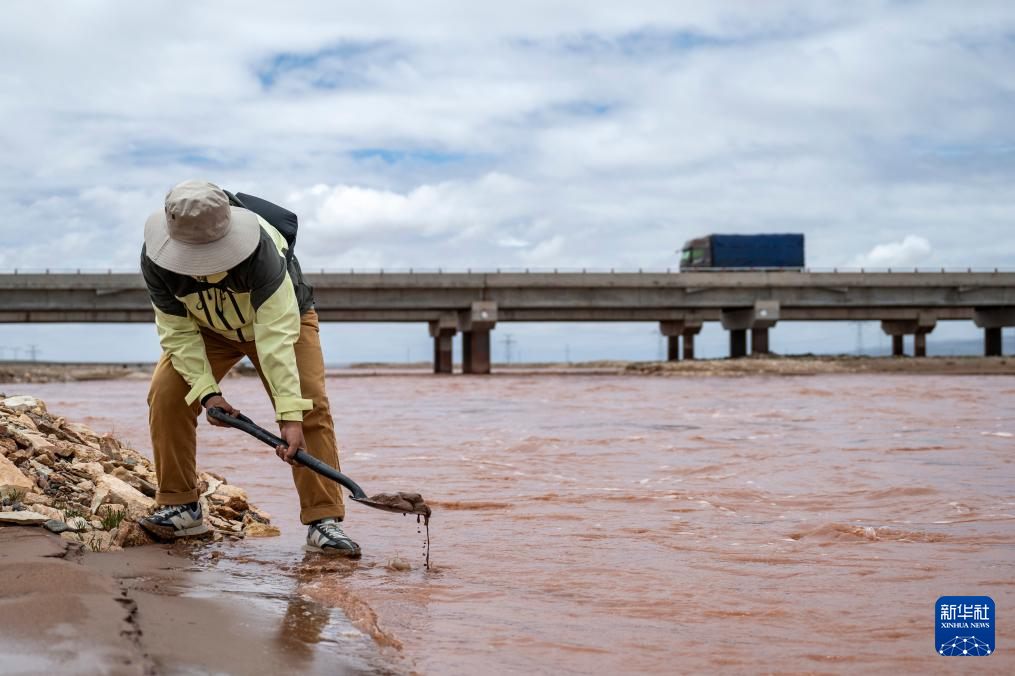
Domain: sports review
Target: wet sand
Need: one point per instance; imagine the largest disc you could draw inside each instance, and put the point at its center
(157, 610)
(633, 524)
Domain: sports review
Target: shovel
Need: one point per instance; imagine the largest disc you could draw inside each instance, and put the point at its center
(401, 503)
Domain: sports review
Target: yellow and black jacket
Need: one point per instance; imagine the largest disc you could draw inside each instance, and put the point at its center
(261, 299)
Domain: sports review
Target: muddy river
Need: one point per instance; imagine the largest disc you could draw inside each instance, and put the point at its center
(634, 524)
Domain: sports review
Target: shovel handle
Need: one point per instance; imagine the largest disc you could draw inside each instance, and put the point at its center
(245, 424)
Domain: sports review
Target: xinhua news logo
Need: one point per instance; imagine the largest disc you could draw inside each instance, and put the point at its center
(965, 626)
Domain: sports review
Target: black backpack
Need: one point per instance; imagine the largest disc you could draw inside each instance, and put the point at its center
(281, 218)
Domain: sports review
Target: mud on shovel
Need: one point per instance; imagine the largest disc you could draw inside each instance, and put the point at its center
(401, 503)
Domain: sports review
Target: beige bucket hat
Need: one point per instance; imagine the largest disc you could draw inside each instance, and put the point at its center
(198, 233)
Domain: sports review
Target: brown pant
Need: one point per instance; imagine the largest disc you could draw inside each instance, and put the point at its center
(173, 424)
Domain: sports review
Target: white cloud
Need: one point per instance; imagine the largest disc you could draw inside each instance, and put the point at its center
(909, 252)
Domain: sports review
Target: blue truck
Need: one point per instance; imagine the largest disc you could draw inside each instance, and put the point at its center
(743, 251)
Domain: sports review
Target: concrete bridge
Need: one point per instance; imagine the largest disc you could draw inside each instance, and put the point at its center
(747, 303)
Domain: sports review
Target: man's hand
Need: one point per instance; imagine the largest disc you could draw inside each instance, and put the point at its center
(292, 433)
(217, 401)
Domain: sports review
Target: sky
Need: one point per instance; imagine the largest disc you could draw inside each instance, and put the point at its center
(489, 135)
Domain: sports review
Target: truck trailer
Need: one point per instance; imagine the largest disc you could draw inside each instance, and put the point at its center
(765, 252)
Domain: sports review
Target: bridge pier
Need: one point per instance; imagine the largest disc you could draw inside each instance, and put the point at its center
(759, 319)
(898, 329)
(689, 332)
(674, 329)
(759, 340)
(991, 320)
(443, 331)
(476, 324)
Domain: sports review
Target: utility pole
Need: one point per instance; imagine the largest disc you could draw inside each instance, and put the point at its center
(567, 353)
(33, 352)
(509, 342)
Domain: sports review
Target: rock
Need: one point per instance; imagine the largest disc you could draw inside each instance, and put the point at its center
(261, 530)
(226, 513)
(22, 518)
(98, 541)
(7, 445)
(137, 503)
(23, 403)
(65, 449)
(98, 498)
(82, 431)
(111, 509)
(56, 526)
(256, 514)
(130, 534)
(13, 479)
(26, 422)
(47, 511)
(213, 484)
(110, 446)
(36, 442)
(79, 524)
(100, 481)
(231, 496)
(90, 470)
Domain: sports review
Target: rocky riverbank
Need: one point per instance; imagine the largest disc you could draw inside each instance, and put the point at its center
(91, 488)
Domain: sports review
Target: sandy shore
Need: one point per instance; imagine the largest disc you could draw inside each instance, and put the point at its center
(29, 372)
(151, 610)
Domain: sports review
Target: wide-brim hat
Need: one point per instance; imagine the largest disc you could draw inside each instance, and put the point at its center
(198, 232)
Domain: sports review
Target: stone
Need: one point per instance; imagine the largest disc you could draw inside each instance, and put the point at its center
(25, 518)
(130, 534)
(137, 503)
(232, 497)
(36, 442)
(85, 486)
(98, 541)
(261, 530)
(71, 536)
(56, 526)
(82, 431)
(26, 422)
(110, 446)
(65, 449)
(110, 509)
(40, 468)
(91, 470)
(98, 498)
(7, 445)
(13, 479)
(47, 511)
(79, 524)
(35, 499)
(22, 403)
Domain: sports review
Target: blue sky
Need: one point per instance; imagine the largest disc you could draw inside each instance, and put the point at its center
(481, 135)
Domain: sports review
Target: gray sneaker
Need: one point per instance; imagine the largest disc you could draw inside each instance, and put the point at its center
(327, 536)
(176, 521)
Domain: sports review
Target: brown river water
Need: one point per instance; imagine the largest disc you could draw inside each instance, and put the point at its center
(633, 524)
